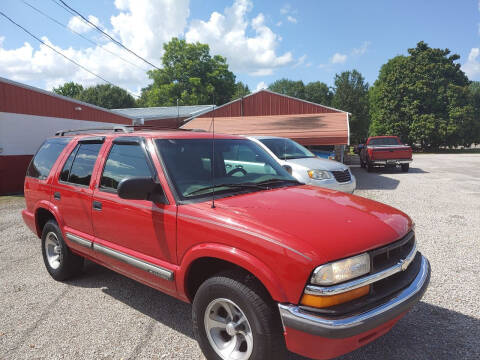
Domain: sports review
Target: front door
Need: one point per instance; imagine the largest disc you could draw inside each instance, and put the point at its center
(137, 237)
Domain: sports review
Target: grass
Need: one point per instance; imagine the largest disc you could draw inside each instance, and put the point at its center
(451, 151)
(11, 197)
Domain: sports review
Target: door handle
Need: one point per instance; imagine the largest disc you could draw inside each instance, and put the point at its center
(97, 205)
(56, 195)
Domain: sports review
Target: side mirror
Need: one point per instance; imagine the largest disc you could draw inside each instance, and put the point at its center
(141, 188)
(288, 168)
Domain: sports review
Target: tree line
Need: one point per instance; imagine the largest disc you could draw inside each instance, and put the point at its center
(423, 97)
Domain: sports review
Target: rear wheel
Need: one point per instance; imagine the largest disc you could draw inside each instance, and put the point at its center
(234, 319)
(405, 167)
(60, 262)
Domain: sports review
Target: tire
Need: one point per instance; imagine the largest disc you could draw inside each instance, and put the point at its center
(260, 337)
(405, 167)
(60, 262)
(362, 164)
(369, 166)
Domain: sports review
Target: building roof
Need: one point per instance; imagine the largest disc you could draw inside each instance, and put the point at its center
(163, 112)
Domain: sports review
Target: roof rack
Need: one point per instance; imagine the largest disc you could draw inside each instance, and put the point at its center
(125, 129)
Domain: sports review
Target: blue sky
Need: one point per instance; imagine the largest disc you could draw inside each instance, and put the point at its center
(262, 40)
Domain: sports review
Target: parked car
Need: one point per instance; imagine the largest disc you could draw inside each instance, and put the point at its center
(386, 151)
(305, 166)
(267, 262)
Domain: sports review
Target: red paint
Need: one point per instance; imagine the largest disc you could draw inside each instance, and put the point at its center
(21, 99)
(12, 172)
(320, 348)
(376, 153)
(278, 235)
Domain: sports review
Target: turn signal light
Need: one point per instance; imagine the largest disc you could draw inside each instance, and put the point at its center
(318, 301)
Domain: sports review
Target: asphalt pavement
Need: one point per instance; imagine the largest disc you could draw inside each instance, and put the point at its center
(103, 315)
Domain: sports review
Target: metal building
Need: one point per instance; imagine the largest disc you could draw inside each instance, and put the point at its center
(28, 115)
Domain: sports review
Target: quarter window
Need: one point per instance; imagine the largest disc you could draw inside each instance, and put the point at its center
(79, 166)
(45, 157)
(124, 161)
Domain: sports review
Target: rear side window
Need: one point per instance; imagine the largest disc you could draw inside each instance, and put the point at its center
(45, 157)
(124, 161)
(79, 166)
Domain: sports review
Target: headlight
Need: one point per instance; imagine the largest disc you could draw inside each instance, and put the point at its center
(343, 270)
(319, 174)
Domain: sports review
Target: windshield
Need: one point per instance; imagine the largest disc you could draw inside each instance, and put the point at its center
(287, 149)
(240, 165)
(384, 141)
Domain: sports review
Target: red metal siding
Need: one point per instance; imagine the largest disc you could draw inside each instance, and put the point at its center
(19, 100)
(12, 173)
(265, 103)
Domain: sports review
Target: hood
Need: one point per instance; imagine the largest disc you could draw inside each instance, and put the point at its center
(323, 224)
(316, 163)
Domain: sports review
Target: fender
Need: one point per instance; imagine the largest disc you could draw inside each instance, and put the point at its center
(47, 205)
(235, 256)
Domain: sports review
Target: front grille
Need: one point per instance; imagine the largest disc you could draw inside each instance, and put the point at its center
(342, 176)
(390, 255)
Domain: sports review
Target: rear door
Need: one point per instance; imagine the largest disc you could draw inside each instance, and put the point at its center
(136, 237)
(73, 191)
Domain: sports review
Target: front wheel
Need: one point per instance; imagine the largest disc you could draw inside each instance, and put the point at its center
(234, 318)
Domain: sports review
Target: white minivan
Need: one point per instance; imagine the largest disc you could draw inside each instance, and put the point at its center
(306, 166)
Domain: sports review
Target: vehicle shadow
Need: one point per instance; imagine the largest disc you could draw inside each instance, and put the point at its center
(376, 180)
(426, 332)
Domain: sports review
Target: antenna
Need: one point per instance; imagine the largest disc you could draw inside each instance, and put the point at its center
(213, 153)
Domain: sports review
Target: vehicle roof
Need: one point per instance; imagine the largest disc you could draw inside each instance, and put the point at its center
(383, 136)
(260, 137)
(157, 134)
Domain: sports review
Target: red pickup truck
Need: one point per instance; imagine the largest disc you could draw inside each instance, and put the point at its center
(271, 264)
(385, 151)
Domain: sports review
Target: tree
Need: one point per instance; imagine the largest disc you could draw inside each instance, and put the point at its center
(351, 94)
(288, 87)
(319, 93)
(424, 98)
(69, 89)
(107, 96)
(189, 74)
(241, 90)
(474, 89)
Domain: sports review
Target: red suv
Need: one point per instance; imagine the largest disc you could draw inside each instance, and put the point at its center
(268, 263)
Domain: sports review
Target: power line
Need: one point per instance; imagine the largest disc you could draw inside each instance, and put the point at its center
(59, 52)
(83, 37)
(105, 34)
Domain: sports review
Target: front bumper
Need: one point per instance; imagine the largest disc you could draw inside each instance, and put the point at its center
(336, 328)
(392, 162)
(348, 187)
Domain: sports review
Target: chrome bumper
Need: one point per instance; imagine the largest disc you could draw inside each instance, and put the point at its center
(294, 317)
(391, 162)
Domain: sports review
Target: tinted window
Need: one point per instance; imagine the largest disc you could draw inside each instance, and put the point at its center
(46, 156)
(286, 148)
(124, 161)
(384, 141)
(83, 160)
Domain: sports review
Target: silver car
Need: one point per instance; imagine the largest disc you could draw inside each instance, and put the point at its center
(306, 166)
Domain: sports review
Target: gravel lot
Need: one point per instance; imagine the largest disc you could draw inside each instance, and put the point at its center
(105, 315)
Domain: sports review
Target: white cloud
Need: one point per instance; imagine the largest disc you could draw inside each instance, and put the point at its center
(338, 58)
(144, 26)
(300, 61)
(279, 23)
(362, 49)
(227, 35)
(285, 9)
(261, 85)
(291, 19)
(77, 24)
(472, 66)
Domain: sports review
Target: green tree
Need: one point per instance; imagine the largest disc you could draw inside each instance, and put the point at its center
(70, 89)
(189, 74)
(107, 96)
(319, 93)
(424, 98)
(475, 103)
(288, 87)
(241, 90)
(351, 94)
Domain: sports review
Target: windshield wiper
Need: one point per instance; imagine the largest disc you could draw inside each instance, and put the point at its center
(276, 181)
(239, 186)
